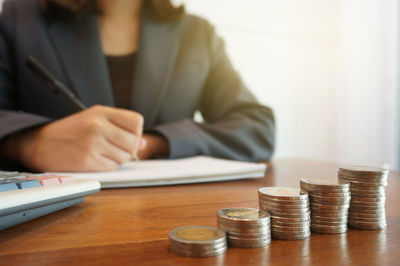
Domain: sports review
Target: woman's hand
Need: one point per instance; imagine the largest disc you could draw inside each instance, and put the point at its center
(97, 139)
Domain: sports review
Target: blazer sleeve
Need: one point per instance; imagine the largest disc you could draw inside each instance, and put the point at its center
(12, 120)
(236, 126)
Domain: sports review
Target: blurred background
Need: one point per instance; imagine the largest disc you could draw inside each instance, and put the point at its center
(328, 68)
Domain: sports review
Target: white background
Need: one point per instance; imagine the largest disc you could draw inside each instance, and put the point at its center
(328, 68)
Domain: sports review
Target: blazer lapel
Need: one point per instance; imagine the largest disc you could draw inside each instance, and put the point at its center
(158, 49)
(79, 47)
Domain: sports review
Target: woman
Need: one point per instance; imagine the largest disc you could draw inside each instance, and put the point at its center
(143, 68)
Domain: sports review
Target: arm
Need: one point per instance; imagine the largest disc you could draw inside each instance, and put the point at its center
(235, 127)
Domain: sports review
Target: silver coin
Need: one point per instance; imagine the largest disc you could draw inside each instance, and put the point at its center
(382, 199)
(329, 194)
(249, 234)
(275, 204)
(200, 248)
(330, 201)
(367, 215)
(329, 218)
(366, 210)
(289, 220)
(259, 225)
(283, 193)
(229, 229)
(286, 236)
(277, 228)
(368, 193)
(361, 181)
(327, 223)
(325, 184)
(195, 234)
(276, 201)
(363, 169)
(311, 189)
(248, 243)
(243, 215)
(367, 226)
(328, 207)
(299, 231)
(379, 204)
(366, 177)
(194, 253)
(303, 215)
(272, 209)
(295, 224)
(332, 231)
(367, 220)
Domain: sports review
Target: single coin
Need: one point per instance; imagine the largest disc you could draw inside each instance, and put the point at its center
(363, 169)
(366, 215)
(197, 234)
(244, 215)
(276, 201)
(241, 226)
(289, 228)
(230, 229)
(324, 184)
(367, 220)
(283, 193)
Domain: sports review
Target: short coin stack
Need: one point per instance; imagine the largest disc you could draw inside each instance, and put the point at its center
(329, 203)
(197, 241)
(245, 227)
(367, 206)
(289, 209)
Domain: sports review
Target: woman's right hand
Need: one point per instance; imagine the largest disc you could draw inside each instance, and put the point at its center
(97, 139)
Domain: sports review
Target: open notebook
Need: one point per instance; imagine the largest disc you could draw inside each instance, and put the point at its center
(197, 169)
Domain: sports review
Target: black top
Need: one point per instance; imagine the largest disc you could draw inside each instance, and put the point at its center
(121, 77)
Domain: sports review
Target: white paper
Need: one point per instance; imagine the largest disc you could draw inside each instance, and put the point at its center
(180, 171)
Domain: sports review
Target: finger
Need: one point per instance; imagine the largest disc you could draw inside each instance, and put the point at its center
(120, 137)
(114, 153)
(128, 120)
(105, 164)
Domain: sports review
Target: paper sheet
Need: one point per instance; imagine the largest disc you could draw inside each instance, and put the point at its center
(180, 171)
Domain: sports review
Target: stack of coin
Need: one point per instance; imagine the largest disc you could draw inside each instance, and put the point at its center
(197, 241)
(367, 206)
(329, 203)
(289, 209)
(245, 227)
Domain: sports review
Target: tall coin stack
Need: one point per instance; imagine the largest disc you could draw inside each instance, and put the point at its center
(289, 209)
(367, 206)
(245, 227)
(329, 203)
(197, 241)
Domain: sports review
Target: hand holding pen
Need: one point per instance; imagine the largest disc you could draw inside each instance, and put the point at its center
(95, 139)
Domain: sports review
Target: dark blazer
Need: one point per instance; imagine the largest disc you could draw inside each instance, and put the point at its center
(181, 67)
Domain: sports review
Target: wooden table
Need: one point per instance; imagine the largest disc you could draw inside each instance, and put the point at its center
(130, 226)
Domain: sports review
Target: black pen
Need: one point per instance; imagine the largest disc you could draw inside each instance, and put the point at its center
(52, 83)
(57, 86)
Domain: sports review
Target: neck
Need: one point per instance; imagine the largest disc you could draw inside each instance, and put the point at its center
(120, 9)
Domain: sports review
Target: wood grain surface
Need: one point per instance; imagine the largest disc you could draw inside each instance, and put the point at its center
(130, 226)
